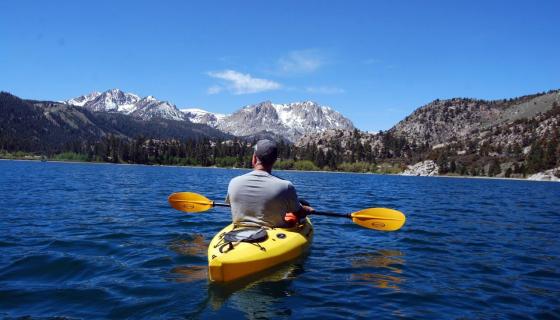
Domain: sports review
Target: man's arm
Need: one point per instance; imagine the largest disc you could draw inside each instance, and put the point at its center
(294, 205)
(305, 209)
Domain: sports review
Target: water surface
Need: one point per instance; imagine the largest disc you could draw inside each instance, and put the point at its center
(100, 241)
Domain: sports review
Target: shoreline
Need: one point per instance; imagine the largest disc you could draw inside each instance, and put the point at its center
(283, 170)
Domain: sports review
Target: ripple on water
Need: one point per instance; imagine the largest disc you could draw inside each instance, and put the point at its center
(101, 242)
(48, 267)
(78, 302)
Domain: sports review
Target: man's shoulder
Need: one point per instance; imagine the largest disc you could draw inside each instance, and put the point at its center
(243, 177)
(238, 178)
(260, 175)
(285, 184)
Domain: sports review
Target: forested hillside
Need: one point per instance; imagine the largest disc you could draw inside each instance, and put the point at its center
(49, 127)
(510, 137)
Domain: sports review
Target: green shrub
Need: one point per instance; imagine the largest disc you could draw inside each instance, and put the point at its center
(226, 162)
(357, 167)
(70, 156)
(305, 165)
(284, 164)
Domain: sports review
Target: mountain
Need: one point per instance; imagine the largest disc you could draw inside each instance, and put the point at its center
(266, 119)
(196, 115)
(82, 100)
(113, 100)
(508, 137)
(444, 121)
(117, 101)
(149, 108)
(34, 126)
(465, 136)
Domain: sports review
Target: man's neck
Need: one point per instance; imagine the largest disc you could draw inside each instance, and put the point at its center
(260, 167)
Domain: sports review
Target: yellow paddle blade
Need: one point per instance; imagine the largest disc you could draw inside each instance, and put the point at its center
(190, 202)
(379, 219)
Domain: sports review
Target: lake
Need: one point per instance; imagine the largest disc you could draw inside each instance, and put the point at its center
(100, 241)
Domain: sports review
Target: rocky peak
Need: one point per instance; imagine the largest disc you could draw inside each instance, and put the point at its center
(197, 115)
(288, 120)
(149, 107)
(442, 121)
(113, 100)
(118, 101)
(82, 100)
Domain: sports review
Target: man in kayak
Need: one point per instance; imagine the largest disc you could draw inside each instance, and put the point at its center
(260, 199)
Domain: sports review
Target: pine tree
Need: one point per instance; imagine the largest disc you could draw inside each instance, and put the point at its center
(494, 168)
(535, 157)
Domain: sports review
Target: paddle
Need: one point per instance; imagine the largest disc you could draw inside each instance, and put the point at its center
(373, 218)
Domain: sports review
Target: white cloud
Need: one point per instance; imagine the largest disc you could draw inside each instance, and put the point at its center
(325, 90)
(240, 83)
(214, 90)
(302, 61)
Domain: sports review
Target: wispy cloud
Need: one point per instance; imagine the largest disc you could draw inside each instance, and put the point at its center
(325, 90)
(241, 83)
(301, 61)
(214, 90)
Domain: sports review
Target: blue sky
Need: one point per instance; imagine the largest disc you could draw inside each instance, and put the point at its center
(373, 61)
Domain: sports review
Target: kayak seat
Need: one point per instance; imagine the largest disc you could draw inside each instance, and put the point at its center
(251, 235)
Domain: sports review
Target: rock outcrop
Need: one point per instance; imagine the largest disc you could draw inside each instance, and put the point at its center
(424, 168)
(548, 175)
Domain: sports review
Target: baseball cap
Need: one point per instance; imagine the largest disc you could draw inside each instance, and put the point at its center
(266, 151)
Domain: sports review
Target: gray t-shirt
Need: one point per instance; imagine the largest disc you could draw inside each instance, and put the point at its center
(261, 199)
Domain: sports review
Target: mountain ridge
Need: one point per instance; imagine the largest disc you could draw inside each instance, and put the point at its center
(35, 125)
(283, 121)
(461, 135)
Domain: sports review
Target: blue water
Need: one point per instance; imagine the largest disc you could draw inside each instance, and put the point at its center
(100, 241)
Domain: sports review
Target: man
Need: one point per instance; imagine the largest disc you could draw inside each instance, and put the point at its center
(260, 199)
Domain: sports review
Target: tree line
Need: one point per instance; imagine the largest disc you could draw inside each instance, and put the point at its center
(390, 155)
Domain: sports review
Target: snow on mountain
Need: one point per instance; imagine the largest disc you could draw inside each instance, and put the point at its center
(82, 100)
(115, 100)
(202, 116)
(290, 121)
(150, 107)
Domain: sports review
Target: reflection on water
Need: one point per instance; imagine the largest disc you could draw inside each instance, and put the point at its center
(384, 269)
(190, 273)
(196, 246)
(258, 296)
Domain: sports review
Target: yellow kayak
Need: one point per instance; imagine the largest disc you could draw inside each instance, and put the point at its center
(230, 260)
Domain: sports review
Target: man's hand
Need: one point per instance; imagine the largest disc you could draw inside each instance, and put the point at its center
(304, 211)
(292, 218)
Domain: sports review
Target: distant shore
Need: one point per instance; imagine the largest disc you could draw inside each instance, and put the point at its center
(286, 170)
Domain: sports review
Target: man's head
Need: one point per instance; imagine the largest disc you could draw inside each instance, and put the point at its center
(266, 153)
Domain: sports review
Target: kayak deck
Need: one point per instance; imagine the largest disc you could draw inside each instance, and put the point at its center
(227, 262)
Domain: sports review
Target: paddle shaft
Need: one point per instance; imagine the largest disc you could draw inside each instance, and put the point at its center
(220, 204)
(317, 213)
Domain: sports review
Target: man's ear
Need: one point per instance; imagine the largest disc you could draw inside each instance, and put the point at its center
(254, 160)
